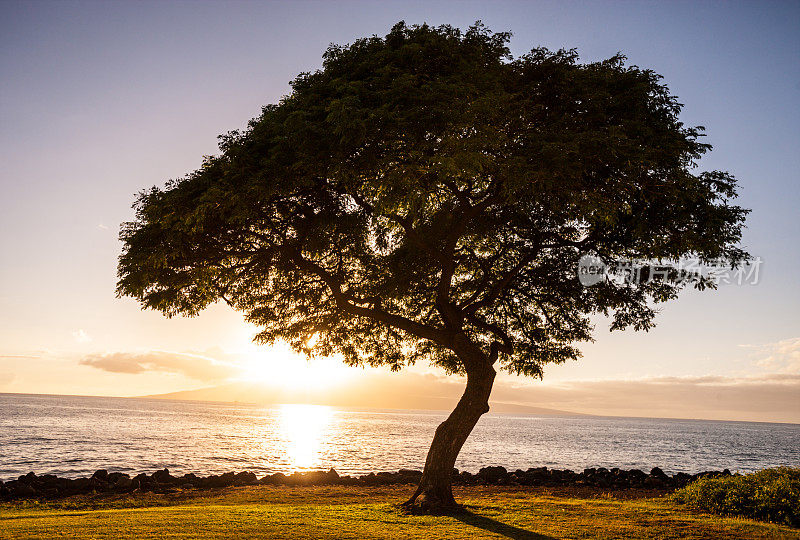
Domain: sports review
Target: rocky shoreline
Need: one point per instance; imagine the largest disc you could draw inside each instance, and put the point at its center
(48, 486)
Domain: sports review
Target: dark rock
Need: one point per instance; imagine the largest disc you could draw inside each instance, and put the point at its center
(492, 474)
(301, 479)
(27, 479)
(97, 484)
(465, 478)
(532, 477)
(50, 486)
(371, 479)
(48, 479)
(245, 479)
(23, 490)
(141, 481)
(114, 476)
(654, 482)
(80, 485)
(215, 481)
(163, 477)
(48, 492)
(123, 482)
(277, 478)
(681, 479)
(348, 481)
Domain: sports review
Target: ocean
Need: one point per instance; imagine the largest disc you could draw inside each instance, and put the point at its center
(74, 436)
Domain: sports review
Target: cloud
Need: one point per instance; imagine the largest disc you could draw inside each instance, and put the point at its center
(19, 356)
(781, 356)
(194, 366)
(81, 336)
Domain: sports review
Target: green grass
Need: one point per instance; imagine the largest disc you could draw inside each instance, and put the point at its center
(770, 495)
(359, 512)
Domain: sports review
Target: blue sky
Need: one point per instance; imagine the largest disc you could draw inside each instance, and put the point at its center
(102, 99)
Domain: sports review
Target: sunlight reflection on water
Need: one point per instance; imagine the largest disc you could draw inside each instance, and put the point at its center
(304, 428)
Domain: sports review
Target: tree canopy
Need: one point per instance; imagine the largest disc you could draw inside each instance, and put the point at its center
(426, 186)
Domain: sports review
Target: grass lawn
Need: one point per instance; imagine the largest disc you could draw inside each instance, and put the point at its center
(362, 512)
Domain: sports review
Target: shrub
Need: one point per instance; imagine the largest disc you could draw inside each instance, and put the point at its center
(769, 495)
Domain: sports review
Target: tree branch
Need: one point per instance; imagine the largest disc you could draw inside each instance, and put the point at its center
(348, 303)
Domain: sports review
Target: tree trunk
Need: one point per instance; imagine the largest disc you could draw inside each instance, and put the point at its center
(435, 492)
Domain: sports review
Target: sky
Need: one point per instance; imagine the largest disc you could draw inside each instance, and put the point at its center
(100, 100)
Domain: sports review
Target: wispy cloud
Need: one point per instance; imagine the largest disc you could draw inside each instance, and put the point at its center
(191, 365)
(781, 356)
(81, 336)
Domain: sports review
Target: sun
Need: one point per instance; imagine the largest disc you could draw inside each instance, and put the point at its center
(279, 364)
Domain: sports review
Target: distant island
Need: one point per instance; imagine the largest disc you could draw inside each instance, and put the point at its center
(420, 392)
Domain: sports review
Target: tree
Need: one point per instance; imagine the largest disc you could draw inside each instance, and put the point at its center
(425, 196)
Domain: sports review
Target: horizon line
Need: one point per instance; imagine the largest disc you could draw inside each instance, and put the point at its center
(368, 409)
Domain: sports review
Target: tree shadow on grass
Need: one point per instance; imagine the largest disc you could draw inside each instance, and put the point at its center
(492, 525)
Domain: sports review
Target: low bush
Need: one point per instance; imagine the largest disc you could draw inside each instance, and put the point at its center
(769, 495)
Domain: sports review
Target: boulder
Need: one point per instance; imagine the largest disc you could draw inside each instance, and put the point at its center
(123, 482)
(654, 482)
(227, 479)
(163, 477)
(371, 479)
(114, 476)
(274, 479)
(141, 481)
(348, 481)
(21, 490)
(215, 481)
(80, 485)
(491, 475)
(27, 479)
(407, 476)
(245, 479)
